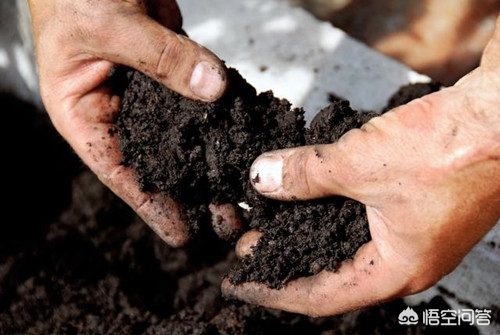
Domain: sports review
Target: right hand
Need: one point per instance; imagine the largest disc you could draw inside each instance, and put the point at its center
(428, 173)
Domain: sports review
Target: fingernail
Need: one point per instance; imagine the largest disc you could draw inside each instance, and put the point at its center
(265, 173)
(206, 81)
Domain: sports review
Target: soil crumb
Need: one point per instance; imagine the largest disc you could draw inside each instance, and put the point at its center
(200, 153)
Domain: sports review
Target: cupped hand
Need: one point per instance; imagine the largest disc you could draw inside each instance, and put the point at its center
(77, 45)
(428, 175)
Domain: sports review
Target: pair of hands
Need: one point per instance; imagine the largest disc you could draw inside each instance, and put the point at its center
(427, 172)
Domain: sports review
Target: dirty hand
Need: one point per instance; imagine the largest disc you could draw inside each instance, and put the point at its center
(428, 175)
(77, 45)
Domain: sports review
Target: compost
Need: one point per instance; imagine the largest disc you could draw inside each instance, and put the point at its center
(201, 153)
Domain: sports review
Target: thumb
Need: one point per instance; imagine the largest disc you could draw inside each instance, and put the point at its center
(305, 172)
(170, 58)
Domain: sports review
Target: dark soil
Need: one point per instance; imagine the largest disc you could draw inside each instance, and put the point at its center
(74, 259)
(201, 153)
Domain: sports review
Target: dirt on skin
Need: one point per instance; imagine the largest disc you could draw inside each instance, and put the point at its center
(74, 259)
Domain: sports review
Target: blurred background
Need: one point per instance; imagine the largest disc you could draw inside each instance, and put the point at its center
(443, 39)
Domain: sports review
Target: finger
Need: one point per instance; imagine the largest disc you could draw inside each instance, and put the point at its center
(365, 281)
(355, 166)
(90, 131)
(170, 58)
(161, 213)
(246, 243)
(306, 172)
(226, 221)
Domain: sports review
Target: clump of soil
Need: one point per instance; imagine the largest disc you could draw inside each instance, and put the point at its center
(200, 153)
(410, 92)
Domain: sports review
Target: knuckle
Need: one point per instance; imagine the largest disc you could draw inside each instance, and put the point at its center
(297, 174)
(170, 58)
(353, 154)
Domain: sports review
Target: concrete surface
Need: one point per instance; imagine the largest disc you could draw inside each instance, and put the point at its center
(17, 60)
(285, 49)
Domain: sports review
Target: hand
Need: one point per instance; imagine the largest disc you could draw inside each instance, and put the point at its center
(77, 45)
(428, 174)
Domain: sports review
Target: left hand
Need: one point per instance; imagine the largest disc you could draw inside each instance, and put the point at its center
(77, 45)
